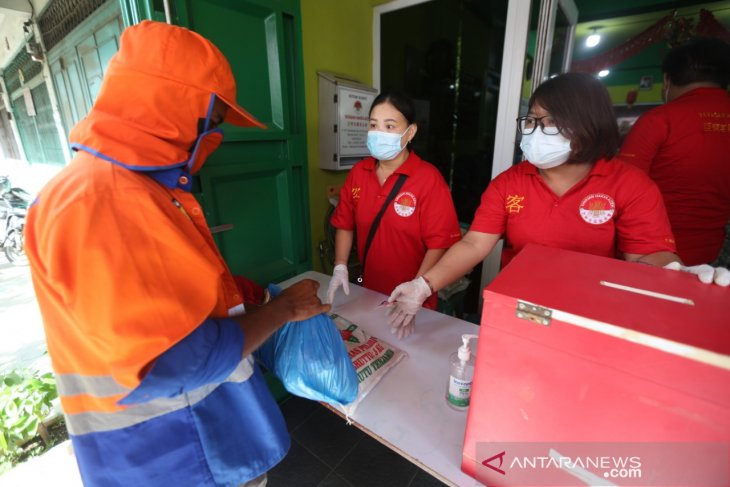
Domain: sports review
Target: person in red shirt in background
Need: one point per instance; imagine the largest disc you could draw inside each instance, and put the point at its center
(570, 193)
(418, 225)
(684, 146)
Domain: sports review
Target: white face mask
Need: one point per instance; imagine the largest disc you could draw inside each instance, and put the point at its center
(545, 151)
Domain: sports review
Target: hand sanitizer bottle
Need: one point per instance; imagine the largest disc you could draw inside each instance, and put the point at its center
(461, 373)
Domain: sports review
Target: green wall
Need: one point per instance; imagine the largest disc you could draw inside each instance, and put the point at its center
(336, 37)
(627, 75)
(652, 96)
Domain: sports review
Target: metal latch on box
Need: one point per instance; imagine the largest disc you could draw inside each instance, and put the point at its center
(534, 313)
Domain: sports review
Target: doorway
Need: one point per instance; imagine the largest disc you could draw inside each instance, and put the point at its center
(447, 54)
(471, 66)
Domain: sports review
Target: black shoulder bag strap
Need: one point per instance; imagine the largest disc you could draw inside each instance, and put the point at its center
(374, 227)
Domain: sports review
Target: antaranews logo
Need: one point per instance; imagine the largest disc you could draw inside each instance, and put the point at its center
(500, 456)
(695, 464)
(584, 467)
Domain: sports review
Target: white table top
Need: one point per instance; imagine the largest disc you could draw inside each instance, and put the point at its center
(407, 409)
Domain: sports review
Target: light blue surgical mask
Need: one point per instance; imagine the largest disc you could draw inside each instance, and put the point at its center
(385, 146)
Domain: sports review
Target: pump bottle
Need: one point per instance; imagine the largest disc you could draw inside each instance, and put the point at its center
(461, 362)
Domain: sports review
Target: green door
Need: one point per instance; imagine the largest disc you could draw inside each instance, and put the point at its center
(30, 105)
(37, 129)
(255, 185)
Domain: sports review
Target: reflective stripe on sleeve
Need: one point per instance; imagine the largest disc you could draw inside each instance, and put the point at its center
(92, 385)
(89, 412)
(237, 310)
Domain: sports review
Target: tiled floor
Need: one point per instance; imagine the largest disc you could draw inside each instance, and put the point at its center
(326, 452)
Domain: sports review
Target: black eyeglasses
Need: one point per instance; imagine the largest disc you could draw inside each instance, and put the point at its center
(527, 125)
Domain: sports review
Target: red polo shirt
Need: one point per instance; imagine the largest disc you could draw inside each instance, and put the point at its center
(421, 217)
(684, 145)
(615, 208)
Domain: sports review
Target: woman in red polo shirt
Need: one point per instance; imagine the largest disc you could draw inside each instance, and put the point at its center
(419, 222)
(570, 193)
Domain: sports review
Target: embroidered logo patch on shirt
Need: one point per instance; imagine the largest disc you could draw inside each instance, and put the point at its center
(597, 208)
(514, 203)
(405, 204)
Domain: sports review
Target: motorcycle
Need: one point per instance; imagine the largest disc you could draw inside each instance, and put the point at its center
(14, 204)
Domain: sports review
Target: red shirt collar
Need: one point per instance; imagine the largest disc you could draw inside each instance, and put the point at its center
(701, 91)
(409, 166)
(602, 167)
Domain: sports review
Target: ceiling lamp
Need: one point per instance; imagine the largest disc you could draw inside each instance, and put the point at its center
(594, 38)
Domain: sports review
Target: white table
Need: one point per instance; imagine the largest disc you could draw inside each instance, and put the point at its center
(407, 410)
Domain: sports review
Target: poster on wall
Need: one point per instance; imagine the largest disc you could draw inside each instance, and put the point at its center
(353, 119)
(646, 82)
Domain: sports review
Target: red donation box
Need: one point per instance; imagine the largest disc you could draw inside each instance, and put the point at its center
(596, 371)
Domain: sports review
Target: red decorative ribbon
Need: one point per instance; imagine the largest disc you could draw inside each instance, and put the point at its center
(665, 28)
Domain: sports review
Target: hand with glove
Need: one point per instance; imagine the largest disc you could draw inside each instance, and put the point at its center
(705, 273)
(340, 277)
(406, 300)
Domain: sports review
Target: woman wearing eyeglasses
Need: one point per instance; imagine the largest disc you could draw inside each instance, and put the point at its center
(569, 193)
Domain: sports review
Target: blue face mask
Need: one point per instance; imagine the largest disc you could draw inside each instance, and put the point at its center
(385, 146)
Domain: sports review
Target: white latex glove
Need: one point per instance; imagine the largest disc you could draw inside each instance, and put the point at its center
(406, 300)
(706, 273)
(340, 277)
(405, 330)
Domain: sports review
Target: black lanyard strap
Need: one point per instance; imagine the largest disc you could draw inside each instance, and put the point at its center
(376, 222)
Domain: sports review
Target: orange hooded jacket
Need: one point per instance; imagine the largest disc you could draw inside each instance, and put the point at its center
(122, 260)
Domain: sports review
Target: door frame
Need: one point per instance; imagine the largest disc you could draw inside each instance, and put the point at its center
(545, 34)
(377, 12)
(510, 92)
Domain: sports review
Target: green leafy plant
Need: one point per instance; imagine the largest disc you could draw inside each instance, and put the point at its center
(25, 401)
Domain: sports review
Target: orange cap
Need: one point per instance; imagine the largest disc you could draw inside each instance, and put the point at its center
(179, 54)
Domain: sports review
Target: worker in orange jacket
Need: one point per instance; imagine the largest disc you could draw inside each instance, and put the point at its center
(145, 325)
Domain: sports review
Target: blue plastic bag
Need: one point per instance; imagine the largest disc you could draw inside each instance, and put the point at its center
(310, 359)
